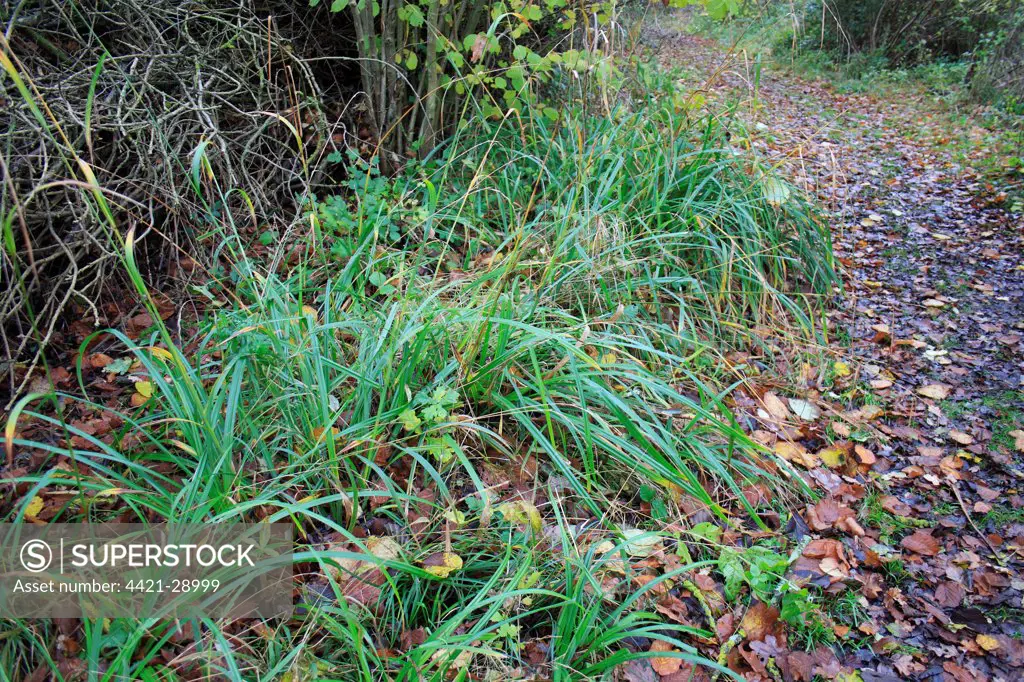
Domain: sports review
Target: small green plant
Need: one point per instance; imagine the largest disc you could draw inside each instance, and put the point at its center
(651, 495)
(895, 571)
(849, 608)
(430, 411)
(811, 632)
(889, 525)
(1009, 416)
(808, 627)
(759, 568)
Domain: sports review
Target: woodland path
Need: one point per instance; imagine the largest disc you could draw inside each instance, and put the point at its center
(928, 361)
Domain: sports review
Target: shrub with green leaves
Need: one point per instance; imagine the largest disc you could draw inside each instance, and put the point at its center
(420, 60)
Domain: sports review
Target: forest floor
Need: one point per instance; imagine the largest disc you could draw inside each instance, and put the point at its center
(923, 398)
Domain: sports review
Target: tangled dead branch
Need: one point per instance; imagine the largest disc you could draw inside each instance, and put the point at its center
(138, 90)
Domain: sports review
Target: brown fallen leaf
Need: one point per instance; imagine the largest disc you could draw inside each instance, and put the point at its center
(872, 584)
(822, 557)
(950, 594)
(688, 672)
(796, 453)
(865, 456)
(759, 621)
(637, 670)
(100, 360)
(1018, 439)
(674, 608)
(935, 391)
(664, 665)
(776, 408)
(960, 437)
(921, 542)
(829, 514)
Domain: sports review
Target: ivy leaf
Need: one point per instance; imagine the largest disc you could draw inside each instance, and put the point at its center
(720, 9)
(507, 630)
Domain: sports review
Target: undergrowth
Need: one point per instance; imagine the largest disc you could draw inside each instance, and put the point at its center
(477, 359)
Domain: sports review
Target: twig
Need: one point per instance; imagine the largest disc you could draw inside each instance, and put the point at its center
(952, 485)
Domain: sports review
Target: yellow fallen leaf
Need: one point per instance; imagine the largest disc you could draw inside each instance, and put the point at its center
(833, 456)
(453, 657)
(521, 512)
(318, 432)
(442, 564)
(804, 409)
(144, 388)
(640, 543)
(35, 506)
(851, 676)
(987, 642)
(870, 411)
(841, 369)
(311, 311)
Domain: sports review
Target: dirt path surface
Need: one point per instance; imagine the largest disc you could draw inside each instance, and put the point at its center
(924, 396)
